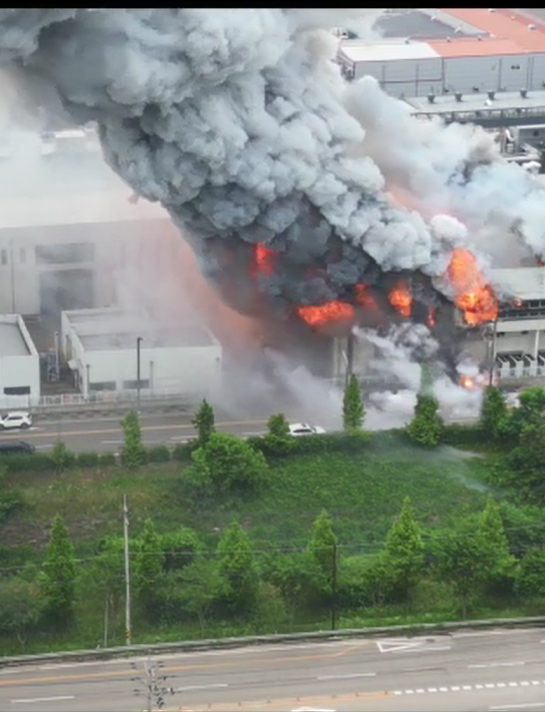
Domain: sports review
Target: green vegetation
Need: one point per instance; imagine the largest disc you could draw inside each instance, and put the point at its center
(204, 422)
(232, 537)
(133, 453)
(353, 410)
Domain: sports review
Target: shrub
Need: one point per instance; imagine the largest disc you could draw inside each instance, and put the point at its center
(182, 451)
(28, 463)
(425, 429)
(87, 459)
(61, 456)
(462, 434)
(133, 453)
(229, 464)
(312, 444)
(106, 459)
(11, 501)
(159, 453)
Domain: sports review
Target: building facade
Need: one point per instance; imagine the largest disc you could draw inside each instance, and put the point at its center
(19, 364)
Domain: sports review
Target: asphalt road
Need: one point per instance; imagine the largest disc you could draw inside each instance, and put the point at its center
(467, 672)
(104, 434)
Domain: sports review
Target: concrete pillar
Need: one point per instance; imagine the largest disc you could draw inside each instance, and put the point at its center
(536, 344)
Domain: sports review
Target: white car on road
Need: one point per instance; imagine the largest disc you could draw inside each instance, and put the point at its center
(305, 429)
(17, 419)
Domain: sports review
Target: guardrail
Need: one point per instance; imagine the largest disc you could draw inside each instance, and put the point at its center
(409, 630)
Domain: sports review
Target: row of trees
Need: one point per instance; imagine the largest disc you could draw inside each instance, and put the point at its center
(175, 578)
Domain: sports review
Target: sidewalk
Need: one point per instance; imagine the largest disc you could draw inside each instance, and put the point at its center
(97, 410)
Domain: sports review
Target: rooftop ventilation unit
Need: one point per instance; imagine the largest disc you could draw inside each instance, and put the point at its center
(491, 95)
(524, 93)
(491, 9)
(431, 98)
(531, 27)
(458, 96)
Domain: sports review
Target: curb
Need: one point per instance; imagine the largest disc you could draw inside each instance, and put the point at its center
(189, 646)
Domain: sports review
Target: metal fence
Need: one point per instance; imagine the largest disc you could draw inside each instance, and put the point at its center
(98, 398)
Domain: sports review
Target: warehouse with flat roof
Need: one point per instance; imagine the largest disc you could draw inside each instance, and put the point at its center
(107, 349)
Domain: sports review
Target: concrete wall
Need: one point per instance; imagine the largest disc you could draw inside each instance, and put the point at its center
(115, 245)
(19, 371)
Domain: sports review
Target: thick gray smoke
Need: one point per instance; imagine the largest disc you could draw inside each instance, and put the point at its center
(233, 120)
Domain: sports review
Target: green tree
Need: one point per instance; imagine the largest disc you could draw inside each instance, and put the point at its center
(426, 427)
(204, 422)
(20, 607)
(463, 559)
(61, 456)
(404, 551)
(180, 548)
(148, 568)
(530, 412)
(133, 453)
(278, 426)
(278, 440)
(526, 464)
(323, 545)
(238, 569)
(228, 464)
(493, 411)
(353, 410)
(59, 574)
(530, 580)
(200, 586)
(492, 529)
(300, 580)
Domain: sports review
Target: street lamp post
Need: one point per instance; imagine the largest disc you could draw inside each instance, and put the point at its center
(139, 339)
(493, 353)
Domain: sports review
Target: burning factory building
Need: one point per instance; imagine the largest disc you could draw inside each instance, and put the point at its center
(281, 176)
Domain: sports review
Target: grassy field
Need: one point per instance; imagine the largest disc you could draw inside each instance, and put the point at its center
(363, 493)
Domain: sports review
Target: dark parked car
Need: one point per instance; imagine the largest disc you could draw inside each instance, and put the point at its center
(16, 447)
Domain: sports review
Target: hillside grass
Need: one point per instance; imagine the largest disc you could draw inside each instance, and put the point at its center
(363, 492)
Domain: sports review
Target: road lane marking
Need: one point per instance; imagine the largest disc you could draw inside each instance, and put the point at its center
(347, 677)
(58, 698)
(201, 687)
(521, 706)
(146, 428)
(493, 665)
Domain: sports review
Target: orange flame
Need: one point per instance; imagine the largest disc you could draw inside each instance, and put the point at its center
(467, 382)
(401, 299)
(363, 297)
(263, 260)
(471, 293)
(330, 312)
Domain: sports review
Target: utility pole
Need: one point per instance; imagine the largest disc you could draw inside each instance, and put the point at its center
(128, 630)
(334, 588)
(139, 340)
(493, 353)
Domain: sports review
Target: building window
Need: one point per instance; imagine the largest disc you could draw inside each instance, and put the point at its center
(22, 256)
(66, 253)
(17, 391)
(103, 386)
(4, 257)
(133, 385)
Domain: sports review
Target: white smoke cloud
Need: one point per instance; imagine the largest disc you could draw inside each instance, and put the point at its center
(452, 168)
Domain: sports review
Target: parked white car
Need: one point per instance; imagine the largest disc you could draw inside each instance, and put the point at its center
(297, 429)
(17, 419)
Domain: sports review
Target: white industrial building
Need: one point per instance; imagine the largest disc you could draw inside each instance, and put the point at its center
(101, 348)
(19, 364)
(494, 50)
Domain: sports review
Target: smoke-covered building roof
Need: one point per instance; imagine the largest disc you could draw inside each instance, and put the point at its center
(61, 178)
(115, 329)
(524, 283)
(403, 22)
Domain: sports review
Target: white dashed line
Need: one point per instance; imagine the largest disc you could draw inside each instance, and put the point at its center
(44, 699)
(469, 688)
